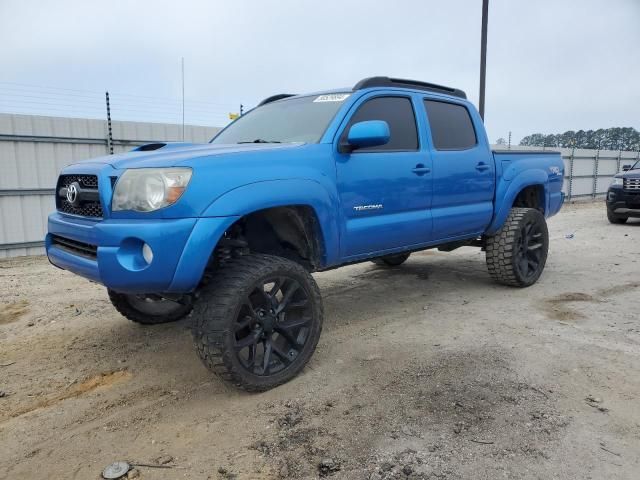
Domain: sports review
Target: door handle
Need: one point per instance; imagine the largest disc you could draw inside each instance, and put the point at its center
(420, 169)
(482, 167)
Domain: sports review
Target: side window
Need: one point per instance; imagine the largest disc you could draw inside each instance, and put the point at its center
(398, 113)
(451, 126)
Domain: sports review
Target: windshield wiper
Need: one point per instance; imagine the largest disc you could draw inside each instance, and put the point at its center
(260, 140)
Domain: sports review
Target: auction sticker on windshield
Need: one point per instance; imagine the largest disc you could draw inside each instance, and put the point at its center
(332, 97)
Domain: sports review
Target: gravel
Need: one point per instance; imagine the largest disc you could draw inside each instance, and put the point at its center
(426, 371)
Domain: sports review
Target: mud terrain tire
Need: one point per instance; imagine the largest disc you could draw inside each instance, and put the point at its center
(148, 311)
(257, 322)
(517, 253)
(391, 260)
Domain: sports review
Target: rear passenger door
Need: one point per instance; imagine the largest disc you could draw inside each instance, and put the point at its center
(385, 190)
(463, 172)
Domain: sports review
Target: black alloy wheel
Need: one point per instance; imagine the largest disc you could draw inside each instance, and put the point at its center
(258, 321)
(529, 249)
(272, 325)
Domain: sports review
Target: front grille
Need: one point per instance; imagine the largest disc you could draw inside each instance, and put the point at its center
(88, 204)
(73, 246)
(91, 209)
(86, 181)
(631, 184)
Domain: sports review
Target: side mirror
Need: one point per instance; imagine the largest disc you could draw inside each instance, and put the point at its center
(367, 134)
(624, 167)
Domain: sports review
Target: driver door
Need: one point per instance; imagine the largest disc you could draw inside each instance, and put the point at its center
(385, 191)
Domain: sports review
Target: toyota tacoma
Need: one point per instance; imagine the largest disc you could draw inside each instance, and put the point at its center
(229, 232)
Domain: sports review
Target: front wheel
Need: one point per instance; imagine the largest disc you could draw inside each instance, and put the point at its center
(258, 321)
(616, 219)
(150, 309)
(517, 253)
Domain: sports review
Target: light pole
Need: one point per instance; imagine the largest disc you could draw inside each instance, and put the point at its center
(183, 99)
(483, 54)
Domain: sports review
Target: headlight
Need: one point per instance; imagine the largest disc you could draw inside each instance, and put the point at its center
(616, 181)
(149, 189)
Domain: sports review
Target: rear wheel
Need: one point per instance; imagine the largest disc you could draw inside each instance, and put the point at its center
(391, 260)
(150, 309)
(517, 253)
(258, 321)
(616, 219)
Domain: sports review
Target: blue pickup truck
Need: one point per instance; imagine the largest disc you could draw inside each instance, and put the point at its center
(228, 232)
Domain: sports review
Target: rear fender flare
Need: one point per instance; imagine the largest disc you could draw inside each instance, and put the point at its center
(508, 191)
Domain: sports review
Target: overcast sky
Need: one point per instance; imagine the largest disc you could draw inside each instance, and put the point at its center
(552, 65)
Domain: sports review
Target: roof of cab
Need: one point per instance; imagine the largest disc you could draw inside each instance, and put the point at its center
(372, 82)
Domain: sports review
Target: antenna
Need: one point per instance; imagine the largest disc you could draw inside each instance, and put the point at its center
(183, 99)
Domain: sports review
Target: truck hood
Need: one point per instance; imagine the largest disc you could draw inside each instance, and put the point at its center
(163, 154)
(630, 174)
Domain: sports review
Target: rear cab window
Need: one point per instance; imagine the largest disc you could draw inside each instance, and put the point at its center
(399, 115)
(451, 125)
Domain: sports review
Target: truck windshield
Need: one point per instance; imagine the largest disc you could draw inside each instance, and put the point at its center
(300, 119)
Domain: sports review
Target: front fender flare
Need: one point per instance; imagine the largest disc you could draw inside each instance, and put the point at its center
(508, 191)
(278, 193)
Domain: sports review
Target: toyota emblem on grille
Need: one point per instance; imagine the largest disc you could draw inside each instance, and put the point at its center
(72, 193)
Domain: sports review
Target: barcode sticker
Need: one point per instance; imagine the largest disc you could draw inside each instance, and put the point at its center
(332, 97)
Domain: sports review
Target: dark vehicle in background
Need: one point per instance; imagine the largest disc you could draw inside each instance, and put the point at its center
(623, 197)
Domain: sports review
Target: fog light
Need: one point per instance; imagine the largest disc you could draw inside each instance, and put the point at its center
(147, 253)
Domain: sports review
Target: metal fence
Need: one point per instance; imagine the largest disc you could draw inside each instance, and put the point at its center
(588, 173)
(33, 149)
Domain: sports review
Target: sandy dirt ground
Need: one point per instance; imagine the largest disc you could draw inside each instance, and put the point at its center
(429, 370)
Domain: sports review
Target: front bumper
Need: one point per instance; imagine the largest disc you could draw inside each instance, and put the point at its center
(181, 250)
(623, 202)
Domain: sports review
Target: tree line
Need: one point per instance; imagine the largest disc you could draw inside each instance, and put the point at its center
(625, 138)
